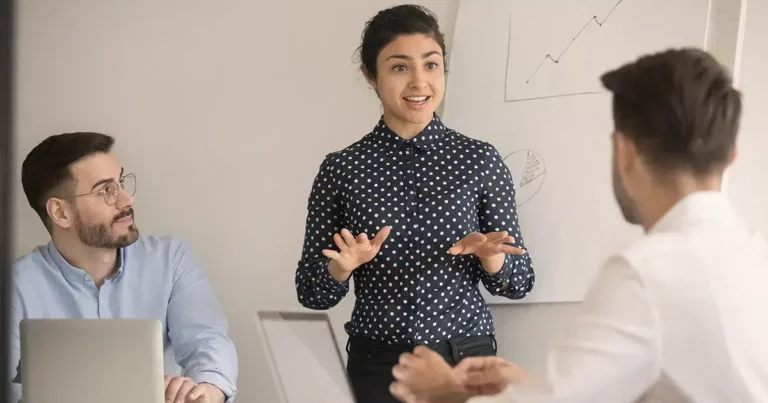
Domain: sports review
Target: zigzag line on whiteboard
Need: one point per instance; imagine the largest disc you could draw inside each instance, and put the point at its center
(548, 56)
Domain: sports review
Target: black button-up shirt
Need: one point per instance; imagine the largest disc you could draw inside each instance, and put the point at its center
(433, 190)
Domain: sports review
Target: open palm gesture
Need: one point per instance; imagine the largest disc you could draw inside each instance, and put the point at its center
(485, 245)
(353, 252)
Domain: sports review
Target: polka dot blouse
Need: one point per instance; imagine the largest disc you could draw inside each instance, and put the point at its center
(433, 190)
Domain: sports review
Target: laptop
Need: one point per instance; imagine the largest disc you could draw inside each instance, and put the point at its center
(304, 357)
(92, 361)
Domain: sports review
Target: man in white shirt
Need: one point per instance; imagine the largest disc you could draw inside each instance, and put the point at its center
(678, 315)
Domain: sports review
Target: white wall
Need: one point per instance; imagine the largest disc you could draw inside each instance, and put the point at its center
(747, 183)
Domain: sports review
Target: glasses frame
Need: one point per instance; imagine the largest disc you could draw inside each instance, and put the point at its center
(105, 195)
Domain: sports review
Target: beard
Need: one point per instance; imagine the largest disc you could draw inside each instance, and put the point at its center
(626, 205)
(100, 235)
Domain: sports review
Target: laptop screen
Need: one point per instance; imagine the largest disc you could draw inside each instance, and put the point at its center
(305, 357)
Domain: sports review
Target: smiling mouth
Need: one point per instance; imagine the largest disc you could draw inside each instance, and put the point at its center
(417, 100)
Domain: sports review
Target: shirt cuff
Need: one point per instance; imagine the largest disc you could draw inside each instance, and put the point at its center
(218, 381)
(501, 277)
(326, 282)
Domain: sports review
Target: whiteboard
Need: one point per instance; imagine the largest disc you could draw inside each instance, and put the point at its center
(525, 78)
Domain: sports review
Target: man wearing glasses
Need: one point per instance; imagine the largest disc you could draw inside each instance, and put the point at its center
(98, 266)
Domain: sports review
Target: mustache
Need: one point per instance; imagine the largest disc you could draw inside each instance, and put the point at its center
(126, 213)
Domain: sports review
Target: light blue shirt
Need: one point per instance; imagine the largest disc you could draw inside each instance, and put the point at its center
(157, 278)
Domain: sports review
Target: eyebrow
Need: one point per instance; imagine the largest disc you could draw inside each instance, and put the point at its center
(107, 180)
(406, 57)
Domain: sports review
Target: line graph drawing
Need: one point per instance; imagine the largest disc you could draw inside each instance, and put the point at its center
(549, 58)
(528, 172)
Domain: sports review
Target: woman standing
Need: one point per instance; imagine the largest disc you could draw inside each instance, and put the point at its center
(440, 209)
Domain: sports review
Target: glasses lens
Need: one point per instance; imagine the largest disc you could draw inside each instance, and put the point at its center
(129, 184)
(110, 193)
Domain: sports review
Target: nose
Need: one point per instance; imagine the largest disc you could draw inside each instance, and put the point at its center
(418, 79)
(123, 199)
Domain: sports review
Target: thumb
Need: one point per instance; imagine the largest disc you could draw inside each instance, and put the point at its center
(382, 236)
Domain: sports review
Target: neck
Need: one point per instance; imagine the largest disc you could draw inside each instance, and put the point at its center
(406, 130)
(99, 263)
(669, 192)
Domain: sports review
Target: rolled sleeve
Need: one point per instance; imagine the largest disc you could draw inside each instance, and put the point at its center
(197, 328)
(498, 212)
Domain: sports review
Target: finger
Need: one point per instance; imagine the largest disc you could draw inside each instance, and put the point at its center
(406, 359)
(470, 364)
(423, 351)
(401, 392)
(167, 379)
(399, 372)
(339, 241)
(511, 250)
(197, 393)
(362, 238)
(172, 390)
(186, 387)
(381, 236)
(496, 236)
(330, 254)
(457, 248)
(473, 242)
(348, 237)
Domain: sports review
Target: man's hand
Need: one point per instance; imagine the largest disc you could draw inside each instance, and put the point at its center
(487, 375)
(179, 389)
(425, 377)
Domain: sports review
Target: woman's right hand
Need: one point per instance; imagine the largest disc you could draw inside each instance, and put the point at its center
(353, 252)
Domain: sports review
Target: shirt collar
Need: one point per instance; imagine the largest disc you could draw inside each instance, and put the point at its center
(78, 277)
(431, 136)
(698, 207)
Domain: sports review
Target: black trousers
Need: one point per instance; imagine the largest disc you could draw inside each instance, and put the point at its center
(370, 362)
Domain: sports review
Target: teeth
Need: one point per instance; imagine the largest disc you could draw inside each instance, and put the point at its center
(416, 99)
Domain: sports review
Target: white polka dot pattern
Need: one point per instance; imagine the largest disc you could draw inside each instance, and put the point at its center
(433, 190)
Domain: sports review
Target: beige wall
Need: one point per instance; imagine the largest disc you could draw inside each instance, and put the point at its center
(244, 100)
(241, 98)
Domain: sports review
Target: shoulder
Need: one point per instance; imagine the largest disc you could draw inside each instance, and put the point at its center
(459, 141)
(159, 250)
(32, 266)
(150, 244)
(653, 256)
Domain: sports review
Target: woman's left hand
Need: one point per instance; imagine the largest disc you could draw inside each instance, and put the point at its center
(486, 246)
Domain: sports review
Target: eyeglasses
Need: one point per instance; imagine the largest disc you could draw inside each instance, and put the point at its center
(111, 191)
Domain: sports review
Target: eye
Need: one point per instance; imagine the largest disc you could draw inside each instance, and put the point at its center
(111, 188)
(399, 67)
(432, 65)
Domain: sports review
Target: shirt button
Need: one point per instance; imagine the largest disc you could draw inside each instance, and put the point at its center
(87, 278)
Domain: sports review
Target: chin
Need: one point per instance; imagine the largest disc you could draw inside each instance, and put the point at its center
(420, 117)
(130, 237)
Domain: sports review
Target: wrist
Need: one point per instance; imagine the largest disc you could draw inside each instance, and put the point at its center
(493, 264)
(338, 272)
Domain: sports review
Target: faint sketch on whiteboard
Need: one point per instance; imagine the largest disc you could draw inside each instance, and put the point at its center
(545, 76)
(569, 198)
(528, 172)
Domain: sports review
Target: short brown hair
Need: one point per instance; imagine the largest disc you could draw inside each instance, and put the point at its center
(679, 107)
(45, 172)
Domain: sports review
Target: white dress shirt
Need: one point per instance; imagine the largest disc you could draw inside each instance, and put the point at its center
(679, 316)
